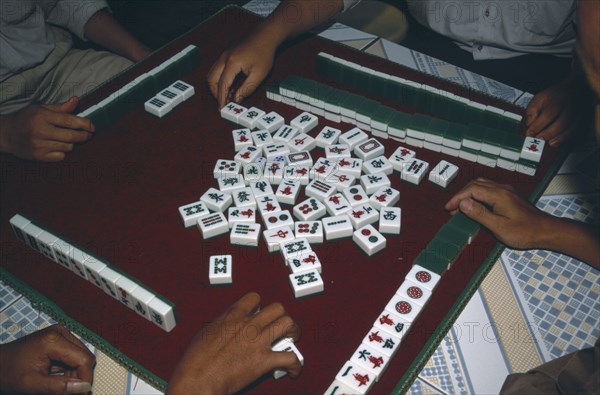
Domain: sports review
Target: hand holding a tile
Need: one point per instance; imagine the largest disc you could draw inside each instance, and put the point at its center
(50, 361)
(44, 133)
(235, 349)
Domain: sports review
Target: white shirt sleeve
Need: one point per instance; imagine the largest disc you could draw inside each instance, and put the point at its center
(348, 4)
(74, 14)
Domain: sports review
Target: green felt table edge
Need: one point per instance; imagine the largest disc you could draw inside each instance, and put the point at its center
(431, 345)
(41, 303)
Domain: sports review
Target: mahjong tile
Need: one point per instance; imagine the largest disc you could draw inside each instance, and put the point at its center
(379, 164)
(363, 214)
(245, 234)
(220, 270)
(392, 323)
(241, 139)
(337, 151)
(305, 122)
(404, 307)
(306, 283)
(310, 230)
(384, 197)
(241, 214)
(287, 192)
(424, 277)
(309, 210)
(369, 149)
(369, 240)
(356, 195)
(260, 138)
(216, 200)
(414, 292)
(382, 341)
(301, 142)
(226, 168)
(373, 182)
(327, 136)
(355, 376)
(243, 198)
(249, 117)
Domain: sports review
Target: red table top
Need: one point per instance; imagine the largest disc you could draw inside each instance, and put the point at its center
(117, 196)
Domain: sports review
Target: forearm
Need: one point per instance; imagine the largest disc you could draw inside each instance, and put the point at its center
(103, 29)
(573, 238)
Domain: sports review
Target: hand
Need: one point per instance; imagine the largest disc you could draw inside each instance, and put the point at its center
(553, 114)
(44, 132)
(235, 350)
(510, 217)
(50, 361)
(253, 57)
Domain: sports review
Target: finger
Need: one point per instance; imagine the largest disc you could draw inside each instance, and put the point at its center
(53, 157)
(533, 109)
(252, 82)
(287, 361)
(64, 332)
(479, 189)
(243, 307)
(214, 75)
(225, 82)
(61, 385)
(283, 327)
(70, 121)
(269, 314)
(561, 138)
(557, 133)
(66, 107)
(542, 121)
(479, 213)
(80, 360)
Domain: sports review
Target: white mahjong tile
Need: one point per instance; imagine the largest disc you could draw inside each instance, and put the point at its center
(384, 197)
(241, 214)
(284, 134)
(220, 269)
(274, 150)
(337, 227)
(281, 159)
(355, 376)
(271, 121)
(486, 160)
(309, 210)
(305, 122)
(277, 219)
(185, 89)
(306, 283)
(369, 240)
(400, 157)
(287, 192)
(232, 112)
(286, 345)
(468, 155)
(261, 138)
(158, 107)
(243, 198)
(322, 168)
(261, 187)
(274, 237)
(252, 172)
(92, 268)
(392, 323)
(382, 341)
(301, 158)
(231, 183)
(273, 172)
(443, 173)
(510, 155)
(319, 189)
(45, 241)
(337, 204)
(18, 222)
(226, 168)
(451, 151)
(327, 136)
(302, 142)
(363, 214)
(312, 231)
(532, 149)
(526, 169)
(379, 164)
(414, 292)
(261, 161)
(424, 277)
(249, 117)
(267, 204)
(125, 287)
(294, 248)
(216, 200)
(407, 309)
(162, 314)
(141, 298)
(338, 388)
(241, 138)
(390, 220)
(356, 195)
(245, 234)
(370, 359)
(76, 258)
(369, 149)
(109, 278)
(300, 173)
(337, 151)
(379, 133)
(506, 164)
(171, 96)
(353, 137)
(31, 232)
(396, 132)
(63, 251)
(373, 182)
(350, 166)
(341, 180)
(247, 155)
(303, 262)
(414, 171)
(213, 225)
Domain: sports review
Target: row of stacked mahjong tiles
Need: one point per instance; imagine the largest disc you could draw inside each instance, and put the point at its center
(146, 85)
(468, 140)
(106, 277)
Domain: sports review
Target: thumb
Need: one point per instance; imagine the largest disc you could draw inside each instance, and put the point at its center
(247, 88)
(479, 213)
(66, 107)
(62, 385)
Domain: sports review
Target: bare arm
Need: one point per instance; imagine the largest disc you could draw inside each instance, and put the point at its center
(254, 56)
(103, 29)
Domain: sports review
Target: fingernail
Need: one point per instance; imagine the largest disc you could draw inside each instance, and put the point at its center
(466, 205)
(78, 386)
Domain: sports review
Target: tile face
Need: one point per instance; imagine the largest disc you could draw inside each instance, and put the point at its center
(271, 121)
(278, 219)
(18, 222)
(261, 187)
(406, 308)
(274, 237)
(268, 204)
(170, 96)
(162, 314)
(363, 214)
(392, 323)
(232, 112)
(294, 248)
(319, 190)
(274, 172)
(158, 107)
(337, 227)
(92, 268)
(220, 269)
(379, 164)
(423, 277)
(76, 258)
(271, 151)
(213, 225)
(312, 231)
(285, 133)
(31, 233)
(302, 142)
(125, 287)
(245, 234)
(341, 180)
(369, 240)
(323, 168)
(369, 149)
(373, 182)
(190, 213)
(337, 151)
(243, 197)
(309, 210)
(414, 292)
(351, 166)
(252, 172)
(355, 376)
(63, 252)
(226, 168)
(45, 241)
(297, 173)
(414, 171)
(327, 136)
(337, 204)
(390, 220)
(141, 299)
(216, 200)
(300, 158)
(400, 157)
(288, 192)
(183, 88)
(443, 173)
(249, 117)
(532, 149)
(305, 122)
(260, 138)
(109, 278)
(306, 283)
(382, 341)
(231, 183)
(356, 195)
(303, 262)
(370, 359)
(338, 388)
(243, 215)
(247, 154)
(353, 137)
(286, 345)
(385, 197)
